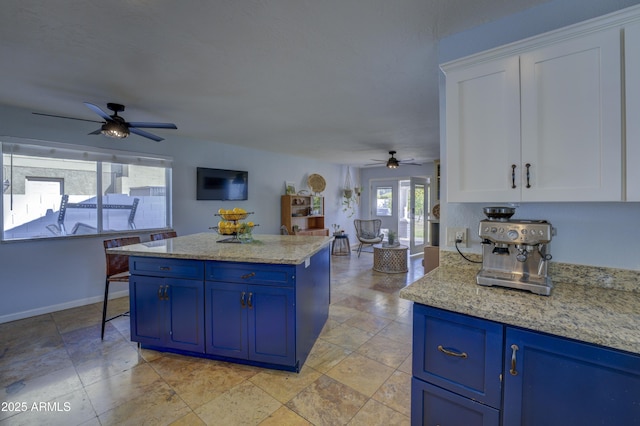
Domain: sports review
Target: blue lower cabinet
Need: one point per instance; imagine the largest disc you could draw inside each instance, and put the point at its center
(431, 405)
(458, 353)
(259, 314)
(555, 381)
(167, 312)
(250, 322)
(542, 379)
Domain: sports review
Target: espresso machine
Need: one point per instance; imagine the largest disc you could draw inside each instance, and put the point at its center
(515, 253)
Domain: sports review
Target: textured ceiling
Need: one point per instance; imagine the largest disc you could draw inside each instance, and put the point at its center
(336, 80)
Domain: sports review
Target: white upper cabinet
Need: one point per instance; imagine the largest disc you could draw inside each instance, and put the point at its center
(543, 123)
(632, 99)
(483, 131)
(571, 110)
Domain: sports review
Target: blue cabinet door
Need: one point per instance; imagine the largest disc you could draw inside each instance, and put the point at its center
(555, 381)
(431, 405)
(167, 312)
(271, 324)
(226, 319)
(184, 300)
(147, 310)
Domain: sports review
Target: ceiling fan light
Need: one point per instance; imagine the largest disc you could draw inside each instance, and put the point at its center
(392, 163)
(115, 130)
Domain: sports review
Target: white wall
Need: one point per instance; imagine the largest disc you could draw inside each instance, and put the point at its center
(601, 234)
(48, 275)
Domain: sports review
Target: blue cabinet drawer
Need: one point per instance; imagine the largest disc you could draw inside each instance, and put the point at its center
(458, 353)
(248, 273)
(170, 268)
(431, 405)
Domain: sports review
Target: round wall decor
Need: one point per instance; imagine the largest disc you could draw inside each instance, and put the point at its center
(316, 183)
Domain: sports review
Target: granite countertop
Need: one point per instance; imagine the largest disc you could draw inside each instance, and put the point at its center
(590, 313)
(276, 249)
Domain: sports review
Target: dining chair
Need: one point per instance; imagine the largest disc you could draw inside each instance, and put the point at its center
(163, 235)
(117, 271)
(368, 232)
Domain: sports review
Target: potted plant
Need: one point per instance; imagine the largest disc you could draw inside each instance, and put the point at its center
(391, 237)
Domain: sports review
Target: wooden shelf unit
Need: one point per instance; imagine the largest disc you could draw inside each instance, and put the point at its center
(305, 211)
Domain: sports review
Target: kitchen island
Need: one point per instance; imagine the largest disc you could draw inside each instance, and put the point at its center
(261, 303)
(490, 355)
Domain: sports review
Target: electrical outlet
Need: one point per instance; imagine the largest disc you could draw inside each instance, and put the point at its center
(454, 234)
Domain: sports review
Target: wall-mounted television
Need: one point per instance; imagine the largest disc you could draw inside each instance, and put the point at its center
(220, 184)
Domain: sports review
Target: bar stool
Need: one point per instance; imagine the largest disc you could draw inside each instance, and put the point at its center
(163, 235)
(117, 271)
(340, 246)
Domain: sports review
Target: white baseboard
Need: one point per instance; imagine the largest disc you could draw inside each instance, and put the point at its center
(60, 307)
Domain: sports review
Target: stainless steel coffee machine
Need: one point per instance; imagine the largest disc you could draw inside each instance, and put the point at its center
(515, 253)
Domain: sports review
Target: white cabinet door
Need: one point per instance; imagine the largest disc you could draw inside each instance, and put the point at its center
(483, 131)
(632, 97)
(571, 120)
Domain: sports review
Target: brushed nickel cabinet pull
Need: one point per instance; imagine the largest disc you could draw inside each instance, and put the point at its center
(514, 349)
(513, 176)
(528, 166)
(250, 301)
(165, 268)
(243, 303)
(160, 292)
(246, 276)
(452, 353)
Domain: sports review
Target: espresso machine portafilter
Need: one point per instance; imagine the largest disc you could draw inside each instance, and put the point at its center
(515, 253)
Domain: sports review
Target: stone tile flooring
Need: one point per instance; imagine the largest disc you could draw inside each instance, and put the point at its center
(54, 369)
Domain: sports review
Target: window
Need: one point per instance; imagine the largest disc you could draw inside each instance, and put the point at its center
(53, 190)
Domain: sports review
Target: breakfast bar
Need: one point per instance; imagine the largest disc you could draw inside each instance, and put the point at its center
(261, 303)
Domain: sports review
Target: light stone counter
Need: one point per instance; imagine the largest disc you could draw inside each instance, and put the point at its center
(276, 249)
(590, 313)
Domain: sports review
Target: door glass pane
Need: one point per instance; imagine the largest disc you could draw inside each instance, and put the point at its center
(418, 218)
(384, 204)
(134, 197)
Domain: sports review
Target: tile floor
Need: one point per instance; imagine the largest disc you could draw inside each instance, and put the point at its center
(55, 368)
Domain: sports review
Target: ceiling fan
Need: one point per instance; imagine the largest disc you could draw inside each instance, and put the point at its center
(115, 126)
(393, 162)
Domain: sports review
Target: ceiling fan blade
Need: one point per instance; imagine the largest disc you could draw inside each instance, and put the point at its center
(68, 118)
(410, 164)
(380, 161)
(145, 134)
(152, 125)
(95, 132)
(98, 111)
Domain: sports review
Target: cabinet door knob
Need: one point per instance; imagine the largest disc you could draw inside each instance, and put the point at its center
(514, 349)
(449, 352)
